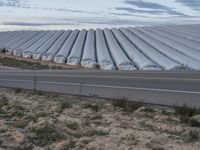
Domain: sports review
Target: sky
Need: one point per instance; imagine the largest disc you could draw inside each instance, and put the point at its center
(78, 14)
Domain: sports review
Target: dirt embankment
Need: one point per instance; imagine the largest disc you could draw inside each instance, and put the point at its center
(43, 121)
(27, 63)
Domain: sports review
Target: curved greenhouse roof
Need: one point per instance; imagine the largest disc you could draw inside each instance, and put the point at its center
(139, 48)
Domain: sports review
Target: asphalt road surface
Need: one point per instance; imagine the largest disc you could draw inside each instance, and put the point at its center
(155, 87)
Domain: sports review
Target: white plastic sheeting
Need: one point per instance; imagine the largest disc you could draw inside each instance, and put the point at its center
(29, 51)
(49, 55)
(142, 62)
(76, 52)
(176, 38)
(183, 34)
(4, 35)
(176, 45)
(103, 56)
(26, 45)
(62, 55)
(89, 55)
(38, 54)
(168, 51)
(7, 38)
(14, 41)
(142, 48)
(121, 60)
(184, 30)
(13, 47)
(19, 36)
(150, 52)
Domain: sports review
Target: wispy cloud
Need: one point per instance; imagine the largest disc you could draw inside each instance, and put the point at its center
(153, 8)
(67, 10)
(132, 10)
(194, 4)
(14, 3)
(24, 4)
(47, 14)
(33, 24)
(145, 4)
(128, 15)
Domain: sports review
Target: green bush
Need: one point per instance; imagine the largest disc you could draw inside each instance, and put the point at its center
(46, 135)
(126, 105)
(185, 113)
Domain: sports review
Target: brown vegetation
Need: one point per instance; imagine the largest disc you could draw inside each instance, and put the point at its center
(43, 121)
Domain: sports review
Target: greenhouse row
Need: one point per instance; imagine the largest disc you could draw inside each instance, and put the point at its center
(138, 48)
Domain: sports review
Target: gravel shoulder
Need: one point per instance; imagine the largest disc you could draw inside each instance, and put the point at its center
(45, 121)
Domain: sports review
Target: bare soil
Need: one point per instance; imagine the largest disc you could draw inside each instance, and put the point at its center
(45, 121)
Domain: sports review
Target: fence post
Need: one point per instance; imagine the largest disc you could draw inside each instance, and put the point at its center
(1, 66)
(34, 81)
(81, 89)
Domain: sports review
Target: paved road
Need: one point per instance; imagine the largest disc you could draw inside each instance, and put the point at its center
(157, 87)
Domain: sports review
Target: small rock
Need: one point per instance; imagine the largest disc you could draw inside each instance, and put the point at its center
(139, 110)
(3, 126)
(65, 118)
(127, 135)
(107, 105)
(86, 140)
(104, 143)
(79, 145)
(60, 145)
(39, 148)
(197, 118)
(166, 118)
(55, 108)
(169, 128)
(18, 137)
(62, 118)
(41, 123)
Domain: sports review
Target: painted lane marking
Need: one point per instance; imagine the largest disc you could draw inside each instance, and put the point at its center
(106, 86)
(123, 87)
(113, 77)
(12, 80)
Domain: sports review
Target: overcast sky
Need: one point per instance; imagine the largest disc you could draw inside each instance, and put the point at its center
(70, 14)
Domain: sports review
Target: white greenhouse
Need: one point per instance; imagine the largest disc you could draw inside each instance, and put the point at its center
(139, 48)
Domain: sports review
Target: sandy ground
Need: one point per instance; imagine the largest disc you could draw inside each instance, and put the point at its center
(43, 121)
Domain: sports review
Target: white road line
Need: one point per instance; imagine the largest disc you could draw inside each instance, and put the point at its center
(106, 86)
(61, 83)
(143, 89)
(122, 87)
(12, 80)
